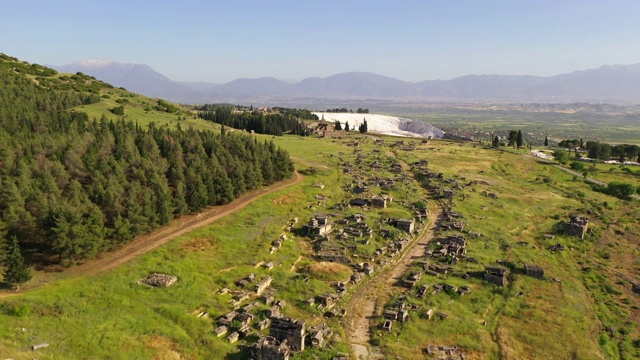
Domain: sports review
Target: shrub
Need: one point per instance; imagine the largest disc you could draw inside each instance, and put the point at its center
(577, 165)
(118, 110)
(309, 171)
(620, 190)
(561, 156)
(19, 310)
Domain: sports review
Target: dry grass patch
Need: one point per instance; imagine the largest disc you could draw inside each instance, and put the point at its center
(283, 200)
(164, 348)
(328, 271)
(505, 343)
(197, 244)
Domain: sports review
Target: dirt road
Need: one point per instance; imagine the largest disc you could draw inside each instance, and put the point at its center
(371, 296)
(145, 243)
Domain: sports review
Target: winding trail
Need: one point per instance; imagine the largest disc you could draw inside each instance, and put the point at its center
(371, 296)
(144, 243)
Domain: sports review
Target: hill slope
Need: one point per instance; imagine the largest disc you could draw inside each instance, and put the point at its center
(76, 184)
(137, 78)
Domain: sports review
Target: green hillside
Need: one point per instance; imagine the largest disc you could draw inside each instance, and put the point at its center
(511, 210)
(76, 185)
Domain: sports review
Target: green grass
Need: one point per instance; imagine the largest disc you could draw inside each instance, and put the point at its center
(111, 316)
(139, 108)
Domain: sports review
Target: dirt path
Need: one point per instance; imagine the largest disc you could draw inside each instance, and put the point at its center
(371, 296)
(145, 243)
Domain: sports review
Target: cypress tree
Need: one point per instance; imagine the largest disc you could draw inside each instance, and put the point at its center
(546, 141)
(519, 139)
(16, 272)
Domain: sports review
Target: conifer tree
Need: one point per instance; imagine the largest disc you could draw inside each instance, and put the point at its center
(546, 141)
(512, 138)
(519, 139)
(16, 271)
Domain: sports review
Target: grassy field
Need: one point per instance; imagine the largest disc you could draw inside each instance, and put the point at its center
(608, 173)
(529, 316)
(589, 313)
(140, 109)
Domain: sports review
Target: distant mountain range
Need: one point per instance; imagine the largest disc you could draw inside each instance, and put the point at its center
(606, 83)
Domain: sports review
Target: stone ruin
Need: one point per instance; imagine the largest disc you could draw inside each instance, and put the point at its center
(289, 330)
(319, 335)
(263, 284)
(577, 226)
(398, 311)
(159, 280)
(534, 271)
(412, 279)
(442, 352)
(269, 348)
(448, 194)
(318, 225)
(496, 275)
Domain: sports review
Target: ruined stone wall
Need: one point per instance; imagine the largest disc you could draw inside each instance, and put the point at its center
(292, 331)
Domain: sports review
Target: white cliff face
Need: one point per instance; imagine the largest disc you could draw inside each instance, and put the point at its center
(385, 124)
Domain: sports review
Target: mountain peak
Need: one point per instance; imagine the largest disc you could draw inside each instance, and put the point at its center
(94, 63)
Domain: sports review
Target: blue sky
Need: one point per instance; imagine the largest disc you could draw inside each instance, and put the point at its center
(411, 40)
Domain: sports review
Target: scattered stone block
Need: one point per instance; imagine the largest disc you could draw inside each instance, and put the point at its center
(39, 346)
(233, 337)
(159, 280)
(220, 330)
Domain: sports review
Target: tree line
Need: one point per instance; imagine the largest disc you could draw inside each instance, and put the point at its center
(74, 187)
(277, 123)
(514, 139)
(603, 151)
(362, 128)
(344, 110)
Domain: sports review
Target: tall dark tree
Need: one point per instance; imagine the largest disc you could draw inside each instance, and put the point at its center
(496, 142)
(519, 139)
(346, 126)
(338, 126)
(546, 141)
(16, 271)
(512, 138)
(363, 128)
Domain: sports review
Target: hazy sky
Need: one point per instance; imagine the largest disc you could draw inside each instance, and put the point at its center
(290, 40)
